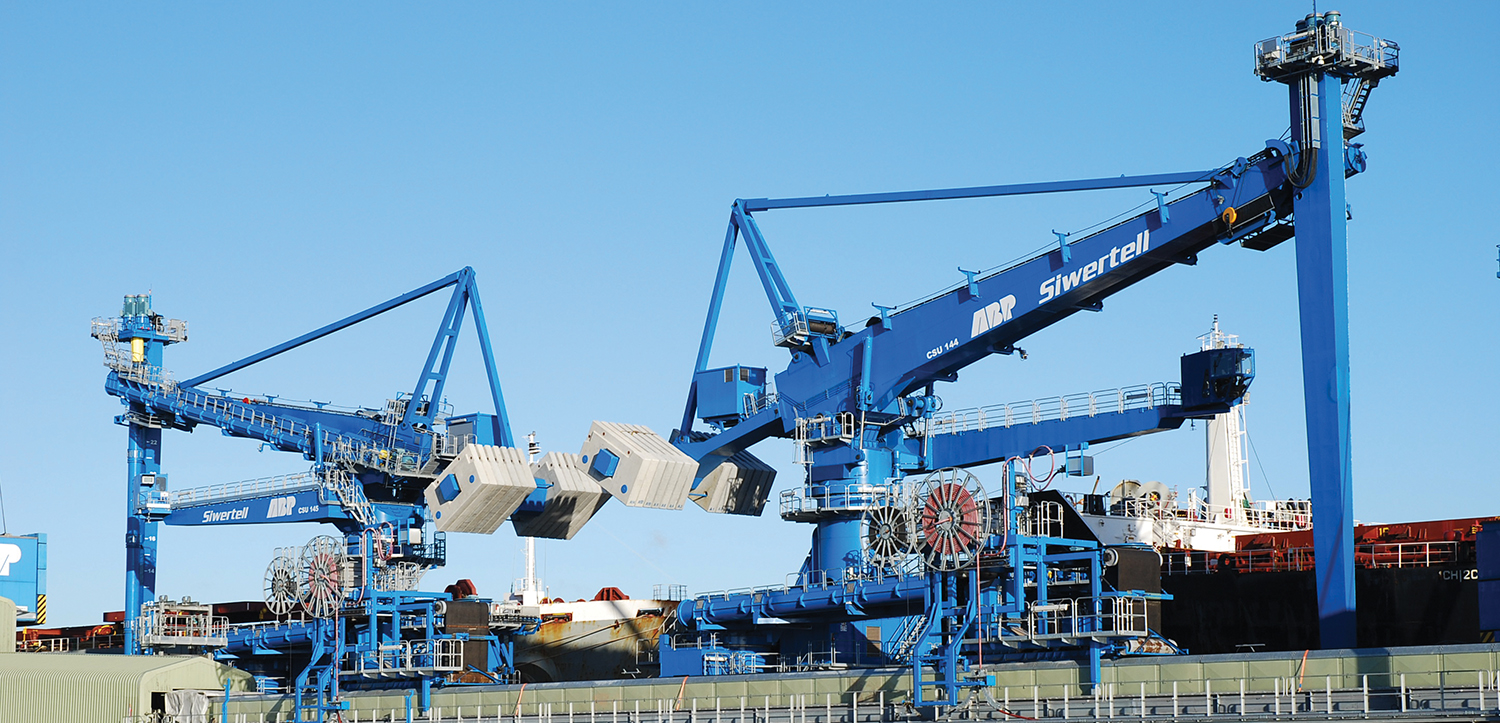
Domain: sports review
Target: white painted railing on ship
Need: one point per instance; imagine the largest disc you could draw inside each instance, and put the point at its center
(1036, 411)
(1297, 559)
(1293, 515)
(244, 489)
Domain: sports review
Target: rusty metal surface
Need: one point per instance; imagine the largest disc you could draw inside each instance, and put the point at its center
(591, 650)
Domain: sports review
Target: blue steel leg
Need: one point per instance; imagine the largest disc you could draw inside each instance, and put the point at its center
(1323, 293)
(711, 324)
(952, 639)
(140, 531)
(1096, 648)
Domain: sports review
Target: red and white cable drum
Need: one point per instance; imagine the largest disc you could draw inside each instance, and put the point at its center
(951, 515)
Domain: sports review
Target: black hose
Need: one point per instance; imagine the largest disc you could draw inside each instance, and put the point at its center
(1304, 177)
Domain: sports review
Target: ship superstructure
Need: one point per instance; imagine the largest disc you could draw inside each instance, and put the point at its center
(1209, 518)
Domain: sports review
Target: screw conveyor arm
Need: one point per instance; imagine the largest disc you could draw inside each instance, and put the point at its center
(933, 339)
(290, 427)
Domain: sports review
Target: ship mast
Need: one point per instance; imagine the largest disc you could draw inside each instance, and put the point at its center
(528, 590)
(1225, 484)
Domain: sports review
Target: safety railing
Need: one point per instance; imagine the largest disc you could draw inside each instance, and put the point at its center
(105, 329)
(903, 644)
(1049, 409)
(231, 412)
(1326, 47)
(351, 494)
(1457, 694)
(118, 358)
(1071, 619)
(823, 430)
(449, 445)
(733, 662)
(801, 504)
(169, 628)
(671, 591)
(751, 404)
(1296, 559)
(261, 487)
(1272, 516)
(68, 644)
(1453, 695)
(814, 580)
(792, 332)
(1043, 520)
(400, 575)
(296, 618)
(411, 657)
(46, 645)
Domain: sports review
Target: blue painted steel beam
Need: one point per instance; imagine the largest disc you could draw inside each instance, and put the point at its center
(936, 338)
(1323, 296)
(444, 344)
(485, 350)
(825, 603)
(140, 529)
(238, 419)
(998, 443)
(298, 506)
(346, 322)
(778, 292)
(1015, 189)
(710, 324)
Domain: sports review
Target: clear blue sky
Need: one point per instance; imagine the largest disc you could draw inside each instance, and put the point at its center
(267, 168)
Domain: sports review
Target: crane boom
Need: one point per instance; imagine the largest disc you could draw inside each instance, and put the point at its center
(905, 350)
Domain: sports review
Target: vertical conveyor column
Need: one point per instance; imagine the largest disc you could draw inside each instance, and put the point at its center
(140, 528)
(1323, 300)
(1314, 61)
(146, 334)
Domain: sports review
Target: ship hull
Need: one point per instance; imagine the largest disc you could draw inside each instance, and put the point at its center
(566, 647)
(1223, 612)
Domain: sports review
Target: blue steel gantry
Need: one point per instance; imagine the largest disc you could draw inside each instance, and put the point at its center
(858, 402)
(383, 477)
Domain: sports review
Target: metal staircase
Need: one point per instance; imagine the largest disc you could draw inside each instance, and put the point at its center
(904, 642)
(1356, 94)
(351, 495)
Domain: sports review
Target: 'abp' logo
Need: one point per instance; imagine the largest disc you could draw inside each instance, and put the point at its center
(8, 553)
(994, 315)
(281, 506)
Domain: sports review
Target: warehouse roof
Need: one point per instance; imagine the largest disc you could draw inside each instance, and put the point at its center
(93, 687)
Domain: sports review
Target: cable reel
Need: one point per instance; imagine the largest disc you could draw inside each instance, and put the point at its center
(322, 567)
(283, 589)
(888, 534)
(951, 515)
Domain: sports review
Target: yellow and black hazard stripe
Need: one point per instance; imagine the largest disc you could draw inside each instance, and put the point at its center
(41, 609)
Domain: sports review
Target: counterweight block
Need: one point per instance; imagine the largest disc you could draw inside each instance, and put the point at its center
(637, 466)
(480, 489)
(572, 499)
(739, 485)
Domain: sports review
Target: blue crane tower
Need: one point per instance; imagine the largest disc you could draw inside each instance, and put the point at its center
(393, 480)
(1329, 71)
(859, 401)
